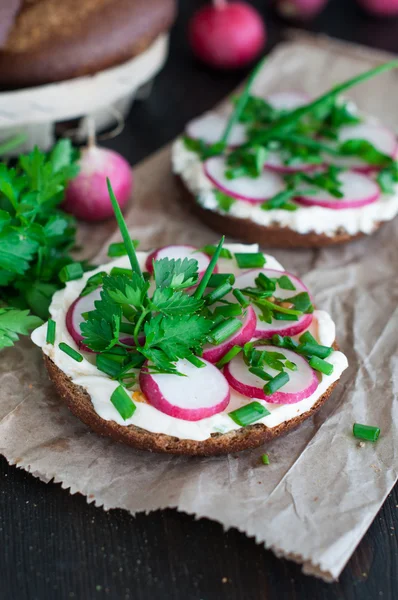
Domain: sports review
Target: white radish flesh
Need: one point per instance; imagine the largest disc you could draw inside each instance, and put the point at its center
(384, 140)
(288, 100)
(302, 382)
(210, 128)
(275, 163)
(267, 330)
(178, 252)
(253, 190)
(214, 353)
(74, 316)
(358, 190)
(201, 393)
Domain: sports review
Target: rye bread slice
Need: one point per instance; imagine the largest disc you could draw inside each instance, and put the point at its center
(79, 403)
(273, 236)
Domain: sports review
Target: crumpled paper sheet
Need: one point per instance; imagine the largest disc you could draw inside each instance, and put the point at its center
(320, 493)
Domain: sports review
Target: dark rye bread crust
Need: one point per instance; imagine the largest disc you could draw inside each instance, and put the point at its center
(79, 403)
(53, 40)
(250, 232)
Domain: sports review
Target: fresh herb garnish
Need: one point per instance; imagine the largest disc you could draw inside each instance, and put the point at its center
(366, 432)
(248, 414)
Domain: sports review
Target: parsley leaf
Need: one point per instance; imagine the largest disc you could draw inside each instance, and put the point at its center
(175, 274)
(126, 290)
(14, 322)
(174, 303)
(102, 328)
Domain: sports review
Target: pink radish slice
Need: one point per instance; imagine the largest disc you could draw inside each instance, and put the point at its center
(251, 190)
(379, 136)
(210, 128)
(177, 252)
(74, 316)
(267, 330)
(288, 100)
(275, 163)
(214, 353)
(358, 189)
(200, 394)
(302, 383)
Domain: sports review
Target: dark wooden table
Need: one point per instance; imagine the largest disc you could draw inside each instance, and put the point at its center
(54, 546)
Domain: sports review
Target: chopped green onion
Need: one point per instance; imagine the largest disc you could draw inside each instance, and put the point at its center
(93, 283)
(109, 365)
(229, 356)
(290, 365)
(223, 331)
(221, 291)
(284, 342)
(120, 271)
(250, 260)
(277, 308)
(229, 310)
(71, 272)
(195, 361)
(209, 271)
(265, 459)
(123, 403)
(366, 432)
(321, 365)
(276, 383)
(210, 250)
(246, 415)
(240, 298)
(285, 283)
(283, 317)
(266, 283)
(70, 352)
(124, 231)
(310, 349)
(307, 338)
(50, 338)
(119, 249)
(259, 372)
(219, 278)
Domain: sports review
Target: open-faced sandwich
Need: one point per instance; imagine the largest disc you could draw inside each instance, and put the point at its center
(190, 351)
(289, 170)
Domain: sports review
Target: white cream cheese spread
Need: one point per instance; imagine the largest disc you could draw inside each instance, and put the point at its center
(188, 166)
(100, 387)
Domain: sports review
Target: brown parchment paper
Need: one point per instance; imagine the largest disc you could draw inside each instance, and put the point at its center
(320, 493)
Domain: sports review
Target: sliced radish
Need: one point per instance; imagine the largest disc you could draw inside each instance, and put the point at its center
(288, 100)
(275, 163)
(267, 330)
(380, 137)
(214, 353)
(302, 382)
(249, 189)
(210, 128)
(358, 190)
(200, 394)
(74, 316)
(177, 252)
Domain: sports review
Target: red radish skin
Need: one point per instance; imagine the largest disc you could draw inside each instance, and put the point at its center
(267, 330)
(358, 189)
(300, 9)
(74, 316)
(179, 252)
(227, 35)
(252, 190)
(210, 128)
(87, 195)
(380, 8)
(382, 138)
(187, 398)
(302, 384)
(214, 353)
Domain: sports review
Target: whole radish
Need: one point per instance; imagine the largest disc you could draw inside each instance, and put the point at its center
(227, 35)
(87, 194)
(300, 9)
(381, 8)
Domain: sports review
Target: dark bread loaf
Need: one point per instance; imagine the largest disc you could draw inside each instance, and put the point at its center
(79, 403)
(53, 40)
